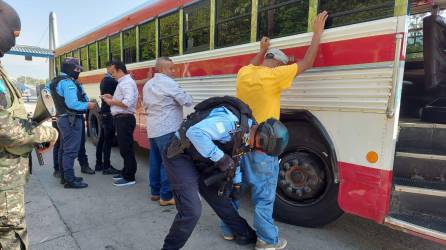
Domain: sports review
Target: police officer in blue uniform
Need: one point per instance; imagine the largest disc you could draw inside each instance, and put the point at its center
(71, 104)
(209, 145)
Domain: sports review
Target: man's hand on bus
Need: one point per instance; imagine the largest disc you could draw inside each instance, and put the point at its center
(318, 28)
(319, 23)
(264, 44)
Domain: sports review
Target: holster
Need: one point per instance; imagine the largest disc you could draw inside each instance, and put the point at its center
(177, 147)
(71, 120)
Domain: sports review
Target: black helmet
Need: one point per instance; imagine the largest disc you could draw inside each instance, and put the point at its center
(273, 137)
(9, 23)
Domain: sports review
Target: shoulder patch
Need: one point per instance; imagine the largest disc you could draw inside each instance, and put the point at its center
(220, 127)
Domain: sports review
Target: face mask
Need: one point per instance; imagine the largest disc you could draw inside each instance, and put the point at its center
(75, 75)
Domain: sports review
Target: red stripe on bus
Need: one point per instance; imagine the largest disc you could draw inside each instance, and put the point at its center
(340, 53)
(364, 191)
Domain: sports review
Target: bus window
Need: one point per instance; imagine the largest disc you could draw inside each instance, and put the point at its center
(196, 27)
(76, 54)
(277, 18)
(57, 63)
(415, 37)
(129, 45)
(103, 53)
(345, 12)
(169, 35)
(84, 58)
(115, 47)
(233, 22)
(147, 40)
(92, 50)
(61, 58)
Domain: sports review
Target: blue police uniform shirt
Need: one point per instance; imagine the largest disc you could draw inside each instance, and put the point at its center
(67, 88)
(216, 127)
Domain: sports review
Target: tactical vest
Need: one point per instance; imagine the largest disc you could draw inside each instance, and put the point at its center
(202, 110)
(18, 111)
(59, 101)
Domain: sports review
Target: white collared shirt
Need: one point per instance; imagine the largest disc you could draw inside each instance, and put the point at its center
(163, 101)
(127, 93)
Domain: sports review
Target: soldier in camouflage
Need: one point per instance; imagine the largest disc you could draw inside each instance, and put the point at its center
(17, 138)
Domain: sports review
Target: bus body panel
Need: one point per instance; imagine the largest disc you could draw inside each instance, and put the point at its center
(348, 91)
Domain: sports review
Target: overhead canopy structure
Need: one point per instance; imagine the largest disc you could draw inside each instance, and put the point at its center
(31, 51)
(422, 6)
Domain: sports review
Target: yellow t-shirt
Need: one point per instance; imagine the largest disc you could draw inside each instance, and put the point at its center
(260, 87)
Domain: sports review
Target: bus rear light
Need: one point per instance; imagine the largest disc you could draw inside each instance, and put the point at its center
(372, 157)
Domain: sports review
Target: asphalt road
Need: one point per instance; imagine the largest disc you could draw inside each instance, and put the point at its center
(106, 217)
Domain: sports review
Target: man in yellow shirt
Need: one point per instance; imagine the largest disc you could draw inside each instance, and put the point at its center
(259, 85)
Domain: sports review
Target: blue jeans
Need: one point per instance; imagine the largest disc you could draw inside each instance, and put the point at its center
(71, 135)
(261, 172)
(158, 182)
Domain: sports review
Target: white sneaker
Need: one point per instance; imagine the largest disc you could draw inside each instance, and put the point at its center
(261, 245)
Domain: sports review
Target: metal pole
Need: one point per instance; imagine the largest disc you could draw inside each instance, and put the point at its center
(53, 43)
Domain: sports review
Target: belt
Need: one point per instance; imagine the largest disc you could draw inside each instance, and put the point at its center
(122, 115)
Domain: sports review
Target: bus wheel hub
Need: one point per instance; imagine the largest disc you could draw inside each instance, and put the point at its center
(302, 177)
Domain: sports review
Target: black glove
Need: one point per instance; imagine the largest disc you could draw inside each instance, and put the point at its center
(225, 163)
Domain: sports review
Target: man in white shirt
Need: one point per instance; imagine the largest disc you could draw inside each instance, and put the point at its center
(163, 101)
(122, 106)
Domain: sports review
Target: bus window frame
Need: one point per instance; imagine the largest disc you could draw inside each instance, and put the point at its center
(85, 67)
(278, 6)
(110, 55)
(167, 14)
(190, 6)
(95, 56)
(218, 21)
(154, 41)
(135, 27)
(107, 52)
(355, 11)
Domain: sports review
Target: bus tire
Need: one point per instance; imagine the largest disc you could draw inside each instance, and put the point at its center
(306, 192)
(94, 125)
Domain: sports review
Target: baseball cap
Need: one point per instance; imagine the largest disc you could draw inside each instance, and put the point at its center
(72, 61)
(278, 55)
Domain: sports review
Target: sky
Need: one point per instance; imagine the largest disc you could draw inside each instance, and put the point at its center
(73, 19)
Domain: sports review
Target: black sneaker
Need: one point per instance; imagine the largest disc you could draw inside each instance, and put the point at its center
(111, 170)
(123, 182)
(75, 184)
(78, 179)
(87, 170)
(98, 167)
(117, 177)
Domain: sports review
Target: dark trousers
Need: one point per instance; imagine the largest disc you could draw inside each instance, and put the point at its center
(103, 148)
(186, 183)
(71, 135)
(56, 161)
(125, 125)
(82, 157)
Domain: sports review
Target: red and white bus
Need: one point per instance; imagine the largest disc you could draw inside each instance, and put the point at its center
(343, 115)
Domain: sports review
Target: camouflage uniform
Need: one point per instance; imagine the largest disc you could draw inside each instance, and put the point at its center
(16, 142)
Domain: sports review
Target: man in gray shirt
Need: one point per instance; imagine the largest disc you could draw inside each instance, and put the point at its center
(163, 101)
(122, 106)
